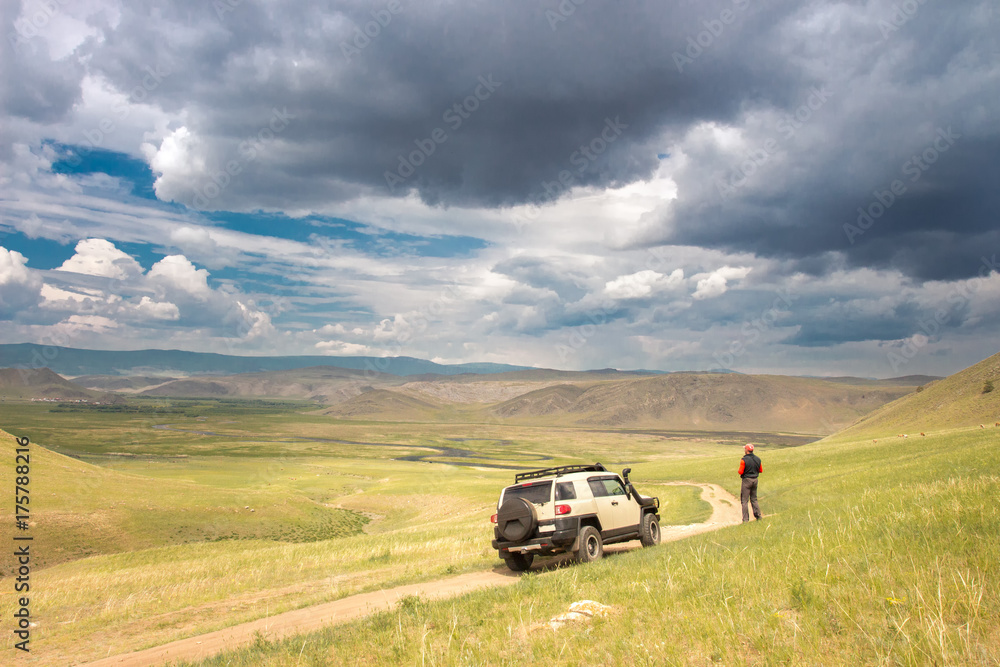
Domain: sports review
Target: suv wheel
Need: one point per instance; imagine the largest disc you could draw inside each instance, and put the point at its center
(591, 545)
(519, 562)
(650, 535)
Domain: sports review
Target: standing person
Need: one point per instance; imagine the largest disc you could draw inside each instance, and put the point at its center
(750, 468)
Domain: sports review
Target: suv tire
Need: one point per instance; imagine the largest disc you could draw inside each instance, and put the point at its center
(519, 562)
(517, 519)
(591, 545)
(650, 532)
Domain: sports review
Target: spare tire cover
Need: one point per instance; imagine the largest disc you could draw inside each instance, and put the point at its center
(516, 519)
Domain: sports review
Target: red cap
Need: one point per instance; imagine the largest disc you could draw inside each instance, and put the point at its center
(748, 447)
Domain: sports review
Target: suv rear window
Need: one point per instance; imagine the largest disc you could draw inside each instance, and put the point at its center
(533, 492)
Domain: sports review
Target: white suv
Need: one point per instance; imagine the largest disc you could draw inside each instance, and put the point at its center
(576, 509)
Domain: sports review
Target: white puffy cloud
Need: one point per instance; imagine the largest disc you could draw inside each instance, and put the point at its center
(332, 329)
(19, 286)
(178, 163)
(716, 283)
(397, 329)
(642, 284)
(256, 324)
(99, 257)
(157, 310)
(176, 273)
(203, 246)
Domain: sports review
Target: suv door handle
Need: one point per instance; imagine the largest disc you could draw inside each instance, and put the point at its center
(614, 502)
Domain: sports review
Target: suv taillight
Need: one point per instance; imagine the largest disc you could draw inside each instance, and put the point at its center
(493, 519)
(563, 509)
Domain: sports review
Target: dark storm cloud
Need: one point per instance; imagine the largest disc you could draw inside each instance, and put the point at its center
(32, 84)
(500, 103)
(889, 163)
(356, 111)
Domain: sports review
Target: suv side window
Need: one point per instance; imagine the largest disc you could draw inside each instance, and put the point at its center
(614, 487)
(565, 491)
(606, 486)
(597, 487)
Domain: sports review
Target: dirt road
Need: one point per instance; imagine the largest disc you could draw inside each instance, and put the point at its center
(725, 512)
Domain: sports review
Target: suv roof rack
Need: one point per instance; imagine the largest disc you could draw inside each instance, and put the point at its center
(561, 470)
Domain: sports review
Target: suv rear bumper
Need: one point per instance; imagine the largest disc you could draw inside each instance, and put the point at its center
(556, 541)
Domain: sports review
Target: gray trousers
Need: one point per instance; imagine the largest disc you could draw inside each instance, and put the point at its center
(749, 492)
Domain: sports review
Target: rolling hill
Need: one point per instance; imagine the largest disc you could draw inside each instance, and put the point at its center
(705, 402)
(956, 401)
(674, 401)
(121, 383)
(28, 383)
(384, 404)
(546, 401)
(325, 384)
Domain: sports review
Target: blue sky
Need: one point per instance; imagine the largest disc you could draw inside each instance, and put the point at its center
(796, 189)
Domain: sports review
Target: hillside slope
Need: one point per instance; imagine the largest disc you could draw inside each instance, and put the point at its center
(27, 383)
(384, 404)
(121, 383)
(326, 384)
(705, 402)
(956, 401)
(79, 510)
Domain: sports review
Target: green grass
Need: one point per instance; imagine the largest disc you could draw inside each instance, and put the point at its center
(869, 555)
(82, 510)
(679, 505)
(146, 537)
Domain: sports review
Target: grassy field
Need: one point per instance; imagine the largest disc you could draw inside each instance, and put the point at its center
(882, 554)
(145, 534)
(870, 554)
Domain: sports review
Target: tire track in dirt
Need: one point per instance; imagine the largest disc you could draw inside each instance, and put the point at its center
(725, 512)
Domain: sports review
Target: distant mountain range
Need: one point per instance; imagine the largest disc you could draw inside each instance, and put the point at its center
(71, 361)
(527, 396)
(676, 401)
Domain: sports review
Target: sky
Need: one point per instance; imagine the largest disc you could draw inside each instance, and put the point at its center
(804, 188)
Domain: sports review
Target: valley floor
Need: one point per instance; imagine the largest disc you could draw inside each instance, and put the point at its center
(725, 512)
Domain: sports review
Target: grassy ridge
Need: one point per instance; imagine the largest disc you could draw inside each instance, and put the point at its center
(881, 554)
(956, 401)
